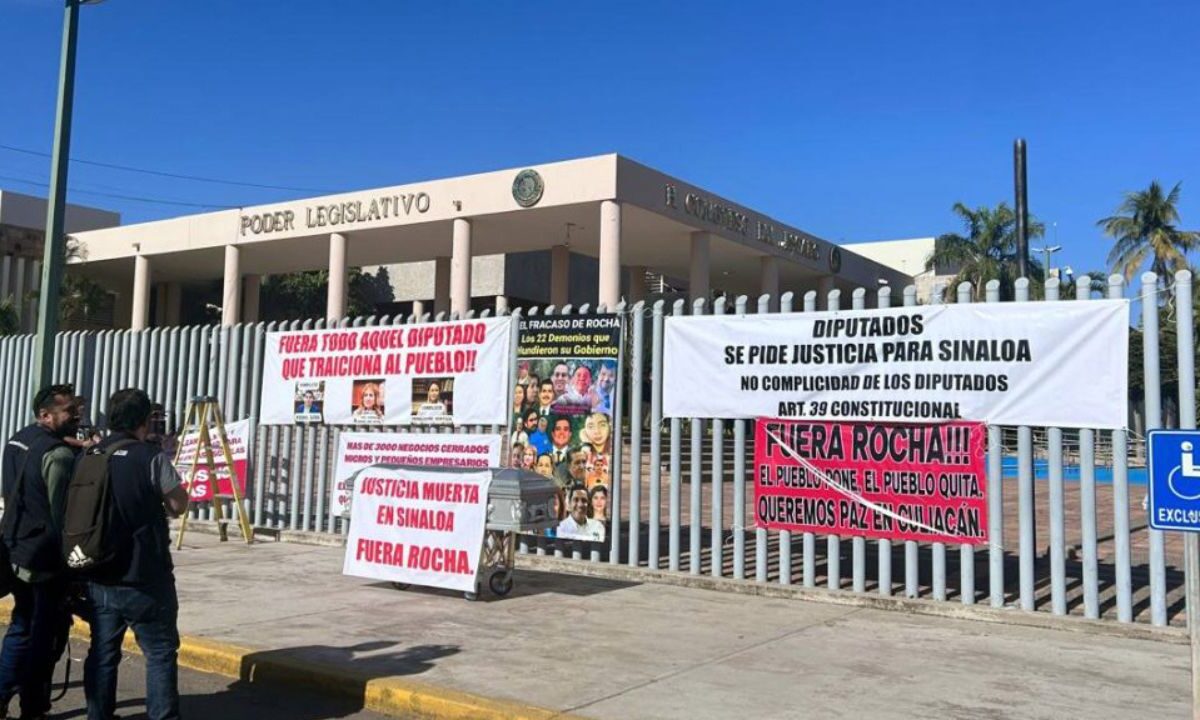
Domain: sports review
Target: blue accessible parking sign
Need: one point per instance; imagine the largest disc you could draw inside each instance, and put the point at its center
(1174, 472)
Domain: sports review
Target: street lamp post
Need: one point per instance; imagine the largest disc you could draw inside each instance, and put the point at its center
(54, 246)
(1047, 251)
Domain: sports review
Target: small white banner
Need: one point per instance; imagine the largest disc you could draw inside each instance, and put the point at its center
(359, 450)
(418, 526)
(1061, 364)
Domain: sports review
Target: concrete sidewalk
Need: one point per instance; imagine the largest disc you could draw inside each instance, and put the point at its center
(602, 648)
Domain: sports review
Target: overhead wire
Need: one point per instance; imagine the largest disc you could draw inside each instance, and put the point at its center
(119, 196)
(162, 173)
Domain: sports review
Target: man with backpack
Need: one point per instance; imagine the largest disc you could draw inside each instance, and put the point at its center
(130, 486)
(36, 471)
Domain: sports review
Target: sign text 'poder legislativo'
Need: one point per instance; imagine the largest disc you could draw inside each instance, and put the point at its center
(897, 482)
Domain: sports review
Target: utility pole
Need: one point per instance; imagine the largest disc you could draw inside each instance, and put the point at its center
(1022, 207)
(55, 244)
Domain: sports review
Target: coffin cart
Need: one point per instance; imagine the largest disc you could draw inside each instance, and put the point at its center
(518, 501)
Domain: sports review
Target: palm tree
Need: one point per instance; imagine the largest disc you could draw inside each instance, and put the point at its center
(1095, 280)
(1145, 228)
(987, 252)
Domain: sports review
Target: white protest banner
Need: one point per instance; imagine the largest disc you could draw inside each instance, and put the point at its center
(1060, 364)
(238, 434)
(418, 526)
(359, 450)
(450, 373)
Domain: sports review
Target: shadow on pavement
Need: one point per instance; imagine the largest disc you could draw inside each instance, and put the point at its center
(311, 682)
(528, 583)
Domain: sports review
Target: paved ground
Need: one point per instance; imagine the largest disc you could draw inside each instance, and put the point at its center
(204, 696)
(608, 649)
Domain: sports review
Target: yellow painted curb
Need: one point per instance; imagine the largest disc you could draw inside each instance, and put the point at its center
(389, 695)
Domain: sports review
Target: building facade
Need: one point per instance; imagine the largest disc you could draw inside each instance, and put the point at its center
(597, 230)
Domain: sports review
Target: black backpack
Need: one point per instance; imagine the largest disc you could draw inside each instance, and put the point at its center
(89, 532)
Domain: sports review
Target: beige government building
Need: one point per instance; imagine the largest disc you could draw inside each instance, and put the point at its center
(595, 230)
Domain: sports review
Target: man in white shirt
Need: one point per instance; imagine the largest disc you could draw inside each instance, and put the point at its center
(577, 525)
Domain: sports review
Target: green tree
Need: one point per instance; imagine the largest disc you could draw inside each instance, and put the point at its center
(1145, 228)
(81, 299)
(301, 295)
(988, 250)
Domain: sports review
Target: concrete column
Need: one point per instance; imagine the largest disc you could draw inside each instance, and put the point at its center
(701, 267)
(460, 268)
(560, 275)
(251, 292)
(501, 304)
(174, 307)
(231, 289)
(637, 283)
(769, 279)
(140, 308)
(418, 309)
(335, 302)
(610, 254)
(441, 285)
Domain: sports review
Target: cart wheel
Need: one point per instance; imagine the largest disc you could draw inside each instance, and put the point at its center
(501, 582)
(401, 586)
(470, 596)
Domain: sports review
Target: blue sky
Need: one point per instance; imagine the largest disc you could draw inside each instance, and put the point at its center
(852, 120)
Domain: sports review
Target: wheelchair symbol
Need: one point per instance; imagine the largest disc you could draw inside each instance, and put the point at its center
(1185, 471)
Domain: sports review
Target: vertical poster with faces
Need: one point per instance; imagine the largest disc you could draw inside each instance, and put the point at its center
(563, 409)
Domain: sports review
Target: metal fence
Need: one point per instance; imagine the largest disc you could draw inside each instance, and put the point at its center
(1077, 546)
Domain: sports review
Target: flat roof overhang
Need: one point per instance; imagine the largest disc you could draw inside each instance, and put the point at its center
(653, 234)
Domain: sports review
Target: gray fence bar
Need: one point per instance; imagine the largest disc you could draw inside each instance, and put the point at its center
(718, 470)
(785, 536)
(675, 500)
(739, 480)
(884, 570)
(966, 553)
(912, 551)
(833, 545)
(937, 550)
(760, 534)
(1153, 409)
(635, 434)
(656, 421)
(1025, 490)
(858, 544)
(809, 540)
(696, 499)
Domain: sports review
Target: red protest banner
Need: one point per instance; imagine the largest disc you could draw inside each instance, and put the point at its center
(890, 481)
(238, 433)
